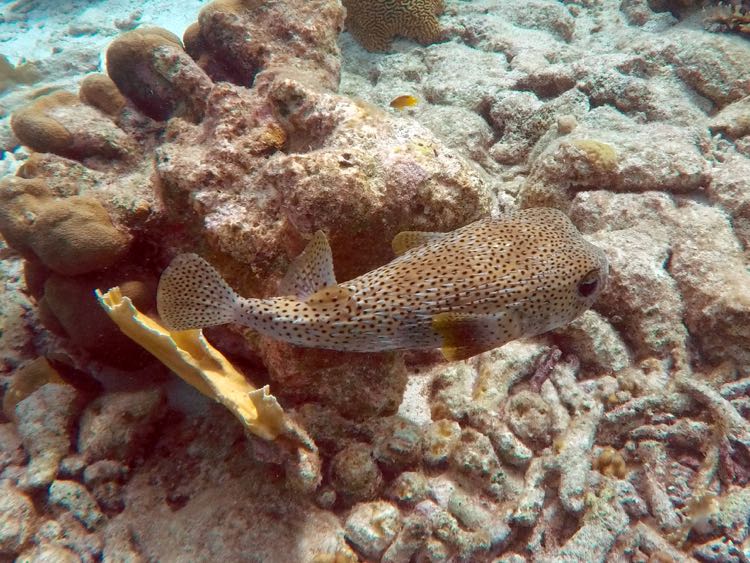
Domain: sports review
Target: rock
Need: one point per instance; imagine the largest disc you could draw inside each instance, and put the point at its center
(717, 67)
(372, 526)
(711, 273)
(248, 44)
(449, 392)
(17, 520)
(733, 121)
(474, 457)
(397, 444)
(120, 545)
(621, 157)
(520, 119)
(67, 531)
(356, 385)
(105, 480)
(119, 425)
(45, 423)
(72, 467)
(409, 488)
(355, 475)
(440, 437)
(74, 497)
(595, 343)
(27, 379)
(414, 532)
(730, 188)
(641, 296)
(11, 448)
(529, 417)
(362, 185)
(48, 553)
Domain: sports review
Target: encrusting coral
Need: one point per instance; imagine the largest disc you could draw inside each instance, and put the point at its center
(375, 23)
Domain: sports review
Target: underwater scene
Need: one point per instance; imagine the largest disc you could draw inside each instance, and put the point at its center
(339, 281)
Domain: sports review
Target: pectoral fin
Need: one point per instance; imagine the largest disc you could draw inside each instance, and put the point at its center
(466, 335)
(311, 271)
(406, 240)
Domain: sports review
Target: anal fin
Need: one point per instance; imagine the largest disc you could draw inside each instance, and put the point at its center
(465, 334)
(406, 240)
(311, 271)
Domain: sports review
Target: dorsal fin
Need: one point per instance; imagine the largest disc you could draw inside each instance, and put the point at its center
(406, 240)
(466, 335)
(311, 271)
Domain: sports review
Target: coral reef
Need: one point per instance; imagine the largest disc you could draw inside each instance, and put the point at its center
(622, 436)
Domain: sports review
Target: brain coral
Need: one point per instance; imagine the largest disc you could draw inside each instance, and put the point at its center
(374, 23)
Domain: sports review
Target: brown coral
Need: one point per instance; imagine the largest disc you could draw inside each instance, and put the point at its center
(60, 123)
(375, 23)
(71, 236)
(24, 73)
(149, 67)
(99, 91)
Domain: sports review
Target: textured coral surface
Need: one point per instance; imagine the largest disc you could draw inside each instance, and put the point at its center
(624, 436)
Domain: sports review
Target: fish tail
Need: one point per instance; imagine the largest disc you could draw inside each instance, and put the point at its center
(192, 294)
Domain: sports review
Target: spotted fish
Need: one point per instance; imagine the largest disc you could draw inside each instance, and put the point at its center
(466, 291)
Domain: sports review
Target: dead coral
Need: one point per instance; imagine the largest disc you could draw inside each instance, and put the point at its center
(375, 23)
(248, 43)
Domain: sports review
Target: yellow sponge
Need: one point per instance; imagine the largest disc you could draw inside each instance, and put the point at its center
(189, 355)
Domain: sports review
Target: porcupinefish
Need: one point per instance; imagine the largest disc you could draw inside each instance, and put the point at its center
(466, 291)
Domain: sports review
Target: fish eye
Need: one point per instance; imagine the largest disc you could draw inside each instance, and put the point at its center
(589, 283)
